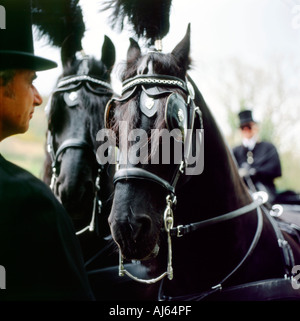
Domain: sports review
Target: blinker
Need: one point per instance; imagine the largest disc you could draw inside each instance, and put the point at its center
(176, 114)
(179, 114)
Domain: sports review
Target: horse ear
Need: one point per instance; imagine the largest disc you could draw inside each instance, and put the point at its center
(134, 51)
(68, 51)
(108, 55)
(182, 50)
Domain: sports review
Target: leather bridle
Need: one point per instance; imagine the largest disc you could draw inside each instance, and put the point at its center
(71, 85)
(162, 81)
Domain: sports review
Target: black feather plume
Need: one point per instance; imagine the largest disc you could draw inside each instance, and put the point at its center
(149, 18)
(59, 20)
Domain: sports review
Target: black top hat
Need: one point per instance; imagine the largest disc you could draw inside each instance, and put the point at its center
(245, 117)
(16, 41)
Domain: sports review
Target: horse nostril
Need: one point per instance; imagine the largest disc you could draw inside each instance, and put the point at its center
(143, 226)
(78, 195)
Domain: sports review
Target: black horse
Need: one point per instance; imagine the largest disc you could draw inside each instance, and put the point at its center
(74, 118)
(83, 185)
(225, 245)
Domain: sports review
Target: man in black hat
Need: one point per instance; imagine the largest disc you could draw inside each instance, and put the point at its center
(38, 246)
(258, 161)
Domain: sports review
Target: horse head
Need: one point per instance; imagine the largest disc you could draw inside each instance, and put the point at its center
(75, 115)
(157, 100)
(162, 192)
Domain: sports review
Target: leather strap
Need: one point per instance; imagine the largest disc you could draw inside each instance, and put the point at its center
(80, 78)
(270, 289)
(70, 143)
(139, 173)
(158, 80)
(181, 230)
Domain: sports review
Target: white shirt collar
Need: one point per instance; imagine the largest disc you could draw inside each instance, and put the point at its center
(250, 142)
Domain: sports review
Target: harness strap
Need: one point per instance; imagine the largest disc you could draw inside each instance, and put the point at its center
(270, 289)
(74, 82)
(97, 203)
(250, 250)
(70, 143)
(253, 245)
(139, 173)
(181, 230)
(154, 79)
(74, 79)
(287, 253)
(72, 87)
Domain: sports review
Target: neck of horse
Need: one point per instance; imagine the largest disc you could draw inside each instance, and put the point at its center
(201, 259)
(219, 180)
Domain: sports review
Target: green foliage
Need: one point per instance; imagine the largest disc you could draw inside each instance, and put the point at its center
(267, 130)
(290, 179)
(27, 150)
(274, 100)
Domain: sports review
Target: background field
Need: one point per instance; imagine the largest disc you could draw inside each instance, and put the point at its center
(28, 150)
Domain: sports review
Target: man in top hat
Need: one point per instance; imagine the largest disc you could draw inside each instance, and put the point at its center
(258, 161)
(39, 251)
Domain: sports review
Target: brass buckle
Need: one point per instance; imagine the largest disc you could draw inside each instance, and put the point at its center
(178, 231)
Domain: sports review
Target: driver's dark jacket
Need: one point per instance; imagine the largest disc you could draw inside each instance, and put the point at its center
(266, 163)
(39, 250)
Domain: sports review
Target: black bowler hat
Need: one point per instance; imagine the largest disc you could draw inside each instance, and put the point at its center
(245, 117)
(16, 40)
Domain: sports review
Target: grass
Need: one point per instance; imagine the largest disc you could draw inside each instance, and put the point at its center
(27, 150)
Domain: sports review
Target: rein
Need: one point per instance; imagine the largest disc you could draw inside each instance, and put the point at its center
(72, 84)
(286, 251)
(181, 230)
